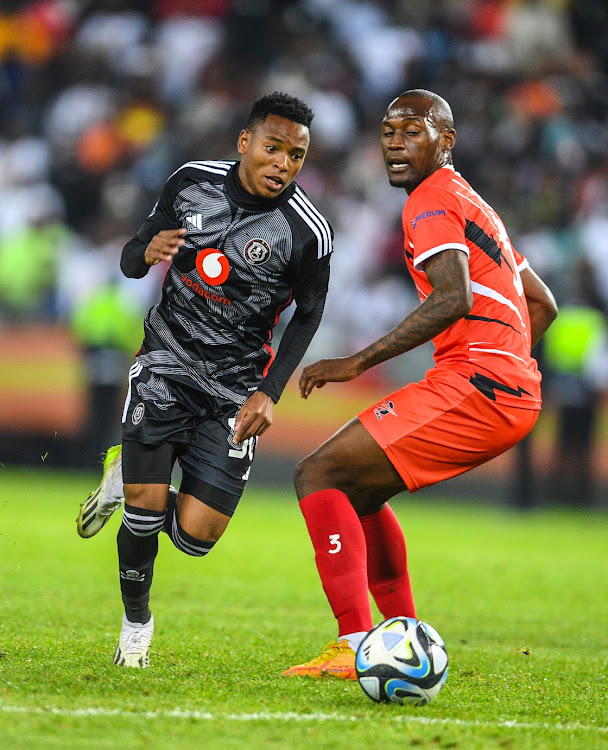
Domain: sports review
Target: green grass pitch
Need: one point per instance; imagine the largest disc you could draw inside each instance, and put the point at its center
(521, 601)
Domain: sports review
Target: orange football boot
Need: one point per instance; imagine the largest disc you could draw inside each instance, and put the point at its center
(336, 660)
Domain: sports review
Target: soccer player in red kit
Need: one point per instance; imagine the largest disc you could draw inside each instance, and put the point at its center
(484, 308)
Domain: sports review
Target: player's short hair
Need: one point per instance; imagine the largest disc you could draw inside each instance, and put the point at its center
(282, 105)
(440, 108)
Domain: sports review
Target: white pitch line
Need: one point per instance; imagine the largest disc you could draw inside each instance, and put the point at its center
(292, 716)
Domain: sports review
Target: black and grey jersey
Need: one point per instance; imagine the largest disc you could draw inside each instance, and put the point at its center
(244, 260)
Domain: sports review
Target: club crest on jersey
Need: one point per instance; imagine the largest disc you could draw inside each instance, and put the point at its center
(384, 408)
(212, 266)
(256, 252)
(138, 413)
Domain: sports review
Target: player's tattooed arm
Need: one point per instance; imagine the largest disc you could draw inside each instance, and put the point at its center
(450, 300)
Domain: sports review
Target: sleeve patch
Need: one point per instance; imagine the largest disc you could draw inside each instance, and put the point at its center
(426, 215)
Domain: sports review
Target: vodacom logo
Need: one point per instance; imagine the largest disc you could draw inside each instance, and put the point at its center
(212, 266)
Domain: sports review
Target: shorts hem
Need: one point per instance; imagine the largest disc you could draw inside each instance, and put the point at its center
(223, 501)
(434, 452)
(145, 480)
(378, 436)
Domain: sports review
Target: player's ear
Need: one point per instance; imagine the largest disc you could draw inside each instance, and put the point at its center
(243, 141)
(448, 139)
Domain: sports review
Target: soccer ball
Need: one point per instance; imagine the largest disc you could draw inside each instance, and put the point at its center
(402, 660)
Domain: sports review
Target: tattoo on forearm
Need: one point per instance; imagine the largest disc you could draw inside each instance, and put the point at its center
(444, 306)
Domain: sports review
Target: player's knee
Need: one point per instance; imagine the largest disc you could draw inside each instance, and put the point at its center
(146, 496)
(316, 472)
(302, 473)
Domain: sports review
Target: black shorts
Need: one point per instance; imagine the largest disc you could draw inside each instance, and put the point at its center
(164, 421)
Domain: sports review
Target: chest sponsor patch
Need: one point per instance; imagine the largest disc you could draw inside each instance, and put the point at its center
(202, 292)
(212, 266)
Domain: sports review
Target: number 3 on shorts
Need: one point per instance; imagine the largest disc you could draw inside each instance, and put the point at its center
(246, 446)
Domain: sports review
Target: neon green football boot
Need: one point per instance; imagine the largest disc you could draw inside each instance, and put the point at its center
(96, 510)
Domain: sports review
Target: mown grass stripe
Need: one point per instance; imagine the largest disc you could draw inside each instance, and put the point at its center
(293, 716)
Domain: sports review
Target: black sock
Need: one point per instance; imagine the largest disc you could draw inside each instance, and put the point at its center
(181, 539)
(137, 609)
(137, 542)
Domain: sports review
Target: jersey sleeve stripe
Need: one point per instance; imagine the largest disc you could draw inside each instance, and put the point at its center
(316, 217)
(215, 167)
(209, 166)
(313, 218)
(440, 248)
(312, 226)
(220, 162)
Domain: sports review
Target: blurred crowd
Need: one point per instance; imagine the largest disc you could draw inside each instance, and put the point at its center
(101, 100)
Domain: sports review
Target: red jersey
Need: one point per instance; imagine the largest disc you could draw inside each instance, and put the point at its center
(490, 345)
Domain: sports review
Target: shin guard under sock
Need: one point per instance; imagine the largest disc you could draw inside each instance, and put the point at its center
(137, 542)
(340, 555)
(387, 572)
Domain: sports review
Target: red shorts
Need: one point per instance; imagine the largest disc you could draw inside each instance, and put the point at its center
(443, 426)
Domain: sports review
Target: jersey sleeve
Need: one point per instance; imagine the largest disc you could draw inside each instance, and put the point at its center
(311, 282)
(162, 216)
(520, 261)
(309, 292)
(433, 222)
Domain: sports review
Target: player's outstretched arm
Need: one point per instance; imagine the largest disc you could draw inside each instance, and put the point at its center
(541, 304)
(450, 300)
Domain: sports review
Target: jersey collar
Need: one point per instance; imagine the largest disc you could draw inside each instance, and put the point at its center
(437, 176)
(237, 193)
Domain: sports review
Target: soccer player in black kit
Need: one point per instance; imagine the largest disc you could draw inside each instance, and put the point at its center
(243, 241)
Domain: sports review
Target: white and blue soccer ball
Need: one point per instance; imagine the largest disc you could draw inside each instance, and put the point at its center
(402, 660)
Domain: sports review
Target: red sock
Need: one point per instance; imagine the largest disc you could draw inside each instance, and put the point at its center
(389, 580)
(340, 554)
